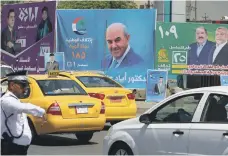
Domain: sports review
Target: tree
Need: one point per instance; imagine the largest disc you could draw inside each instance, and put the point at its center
(11, 2)
(97, 5)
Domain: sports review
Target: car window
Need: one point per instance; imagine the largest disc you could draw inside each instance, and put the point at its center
(216, 109)
(5, 71)
(60, 87)
(96, 81)
(178, 110)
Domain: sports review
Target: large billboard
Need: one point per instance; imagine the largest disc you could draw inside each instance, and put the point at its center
(27, 33)
(119, 42)
(192, 48)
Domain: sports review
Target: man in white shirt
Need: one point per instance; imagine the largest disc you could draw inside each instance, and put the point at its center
(219, 54)
(15, 131)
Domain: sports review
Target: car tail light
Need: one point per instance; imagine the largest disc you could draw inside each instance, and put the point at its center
(102, 108)
(131, 96)
(97, 95)
(54, 109)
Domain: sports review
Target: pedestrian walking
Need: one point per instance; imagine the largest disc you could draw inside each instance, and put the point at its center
(16, 135)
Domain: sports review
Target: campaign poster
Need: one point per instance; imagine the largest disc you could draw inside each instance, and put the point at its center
(156, 85)
(118, 42)
(56, 59)
(224, 80)
(190, 48)
(27, 32)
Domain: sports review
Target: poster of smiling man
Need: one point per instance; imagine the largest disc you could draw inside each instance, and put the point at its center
(119, 42)
(192, 48)
(27, 33)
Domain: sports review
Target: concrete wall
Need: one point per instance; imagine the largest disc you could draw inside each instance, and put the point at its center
(178, 11)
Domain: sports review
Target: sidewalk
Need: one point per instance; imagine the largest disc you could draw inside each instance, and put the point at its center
(144, 106)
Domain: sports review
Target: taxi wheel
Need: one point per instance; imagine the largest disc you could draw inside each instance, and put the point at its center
(84, 136)
(120, 148)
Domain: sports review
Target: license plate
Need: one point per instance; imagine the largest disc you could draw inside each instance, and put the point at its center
(115, 100)
(81, 110)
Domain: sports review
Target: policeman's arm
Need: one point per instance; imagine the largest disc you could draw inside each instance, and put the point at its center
(17, 106)
(33, 110)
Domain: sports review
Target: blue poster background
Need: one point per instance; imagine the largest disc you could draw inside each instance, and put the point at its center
(153, 77)
(224, 80)
(85, 46)
(82, 52)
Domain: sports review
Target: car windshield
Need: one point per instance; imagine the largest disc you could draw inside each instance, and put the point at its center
(60, 87)
(95, 81)
(5, 71)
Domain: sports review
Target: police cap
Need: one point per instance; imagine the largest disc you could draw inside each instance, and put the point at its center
(51, 54)
(18, 77)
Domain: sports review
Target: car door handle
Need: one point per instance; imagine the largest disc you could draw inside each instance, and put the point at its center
(225, 134)
(178, 132)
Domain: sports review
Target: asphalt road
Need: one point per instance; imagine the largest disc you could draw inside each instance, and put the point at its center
(67, 144)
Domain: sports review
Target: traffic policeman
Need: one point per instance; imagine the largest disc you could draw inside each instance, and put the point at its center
(15, 131)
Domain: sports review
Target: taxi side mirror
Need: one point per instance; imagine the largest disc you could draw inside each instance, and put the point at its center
(145, 118)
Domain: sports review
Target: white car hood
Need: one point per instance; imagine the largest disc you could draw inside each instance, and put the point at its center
(130, 123)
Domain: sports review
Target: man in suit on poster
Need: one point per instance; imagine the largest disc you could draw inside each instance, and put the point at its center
(52, 64)
(9, 35)
(121, 54)
(200, 50)
(160, 87)
(219, 53)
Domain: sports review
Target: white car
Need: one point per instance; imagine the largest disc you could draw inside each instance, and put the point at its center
(189, 122)
(5, 69)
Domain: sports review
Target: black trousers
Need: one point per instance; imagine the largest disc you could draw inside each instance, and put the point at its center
(8, 148)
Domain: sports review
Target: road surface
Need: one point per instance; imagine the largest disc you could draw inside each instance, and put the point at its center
(67, 144)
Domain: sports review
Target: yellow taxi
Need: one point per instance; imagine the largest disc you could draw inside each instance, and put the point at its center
(69, 108)
(119, 102)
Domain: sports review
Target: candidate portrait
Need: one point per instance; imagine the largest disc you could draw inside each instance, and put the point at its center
(200, 50)
(121, 52)
(45, 26)
(52, 64)
(9, 35)
(160, 86)
(219, 53)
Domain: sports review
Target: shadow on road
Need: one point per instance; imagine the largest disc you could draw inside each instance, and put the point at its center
(51, 140)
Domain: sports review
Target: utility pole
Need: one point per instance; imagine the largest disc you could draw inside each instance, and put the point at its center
(189, 9)
(205, 17)
(149, 4)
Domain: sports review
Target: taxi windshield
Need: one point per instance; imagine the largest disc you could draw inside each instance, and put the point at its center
(95, 81)
(60, 87)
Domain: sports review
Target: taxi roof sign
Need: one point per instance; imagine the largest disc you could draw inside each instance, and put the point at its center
(53, 73)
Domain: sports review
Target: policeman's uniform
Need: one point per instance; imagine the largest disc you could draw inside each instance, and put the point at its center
(15, 131)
